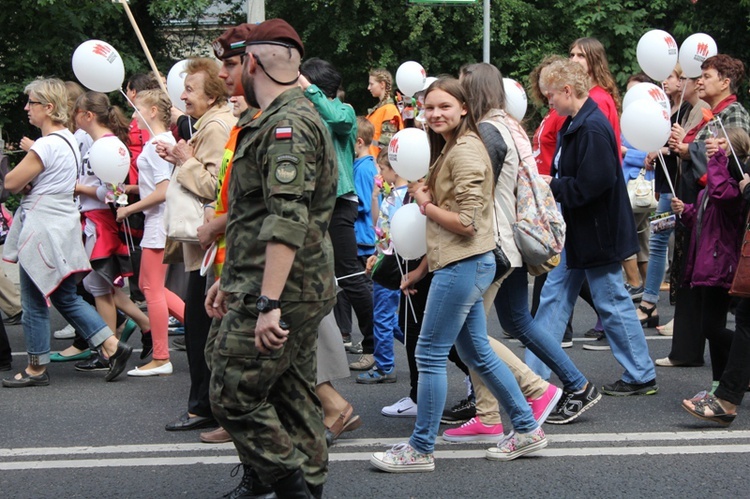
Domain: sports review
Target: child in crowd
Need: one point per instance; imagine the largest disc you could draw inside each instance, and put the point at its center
(364, 182)
(385, 301)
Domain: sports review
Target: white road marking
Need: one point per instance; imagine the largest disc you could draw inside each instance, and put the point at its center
(365, 456)
(340, 452)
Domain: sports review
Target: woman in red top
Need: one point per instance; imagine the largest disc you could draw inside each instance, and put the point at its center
(590, 53)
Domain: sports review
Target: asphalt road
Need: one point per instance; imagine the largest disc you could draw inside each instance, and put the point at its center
(84, 438)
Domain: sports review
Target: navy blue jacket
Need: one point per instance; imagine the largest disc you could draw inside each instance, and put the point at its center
(592, 192)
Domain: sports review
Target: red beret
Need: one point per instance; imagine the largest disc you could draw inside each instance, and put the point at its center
(276, 32)
(232, 41)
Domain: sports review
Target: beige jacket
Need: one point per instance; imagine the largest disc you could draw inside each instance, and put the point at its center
(464, 186)
(198, 174)
(505, 189)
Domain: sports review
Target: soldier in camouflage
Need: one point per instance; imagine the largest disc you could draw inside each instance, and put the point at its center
(278, 281)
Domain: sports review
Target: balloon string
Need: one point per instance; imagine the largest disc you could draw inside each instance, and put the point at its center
(138, 112)
(739, 166)
(403, 274)
(666, 172)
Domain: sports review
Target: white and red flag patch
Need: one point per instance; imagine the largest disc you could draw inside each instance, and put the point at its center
(284, 133)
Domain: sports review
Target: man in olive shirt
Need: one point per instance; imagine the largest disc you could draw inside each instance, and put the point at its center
(278, 281)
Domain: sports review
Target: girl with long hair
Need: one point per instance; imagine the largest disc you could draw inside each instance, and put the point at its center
(457, 201)
(153, 179)
(385, 116)
(109, 255)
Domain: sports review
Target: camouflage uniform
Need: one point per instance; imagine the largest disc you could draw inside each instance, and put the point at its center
(282, 189)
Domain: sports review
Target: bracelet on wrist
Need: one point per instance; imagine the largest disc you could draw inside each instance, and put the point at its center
(423, 206)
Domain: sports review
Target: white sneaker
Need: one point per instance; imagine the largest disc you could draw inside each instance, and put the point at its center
(65, 333)
(404, 408)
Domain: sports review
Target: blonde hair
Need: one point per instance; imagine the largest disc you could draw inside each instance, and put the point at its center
(157, 98)
(536, 93)
(74, 92)
(51, 91)
(565, 72)
(383, 76)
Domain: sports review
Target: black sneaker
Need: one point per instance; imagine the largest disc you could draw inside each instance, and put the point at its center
(460, 413)
(95, 363)
(622, 389)
(593, 333)
(572, 405)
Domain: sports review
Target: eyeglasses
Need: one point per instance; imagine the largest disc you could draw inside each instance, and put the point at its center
(32, 102)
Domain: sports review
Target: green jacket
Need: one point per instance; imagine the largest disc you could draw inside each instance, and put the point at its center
(341, 121)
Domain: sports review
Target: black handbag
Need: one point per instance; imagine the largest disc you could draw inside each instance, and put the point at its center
(502, 264)
(385, 271)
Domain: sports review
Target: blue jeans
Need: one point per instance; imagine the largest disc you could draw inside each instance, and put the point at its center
(512, 307)
(657, 260)
(385, 324)
(455, 314)
(79, 314)
(615, 308)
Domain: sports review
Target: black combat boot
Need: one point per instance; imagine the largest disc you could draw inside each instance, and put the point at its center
(293, 486)
(250, 486)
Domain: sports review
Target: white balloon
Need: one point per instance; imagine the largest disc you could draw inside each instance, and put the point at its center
(694, 51)
(409, 232)
(428, 81)
(409, 154)
(515, 98)
(657, 54)
(110, 160)
(98, 66)
(645, 124)
(410, 78)
(646, 91)
(176, 84)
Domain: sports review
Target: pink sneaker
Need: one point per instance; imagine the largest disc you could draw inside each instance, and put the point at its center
(544, 405)
(473, 430)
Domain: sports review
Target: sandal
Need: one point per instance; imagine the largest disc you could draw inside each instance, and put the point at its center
(708, 408)
(650, 320)
(347, 421)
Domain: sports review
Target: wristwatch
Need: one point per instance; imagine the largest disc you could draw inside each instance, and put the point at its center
(265, 304)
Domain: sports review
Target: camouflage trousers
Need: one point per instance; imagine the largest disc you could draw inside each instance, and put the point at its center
(267, 403)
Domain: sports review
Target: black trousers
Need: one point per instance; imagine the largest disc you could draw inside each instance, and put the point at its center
(419, 302)
(714, 307)
(197, 324)
(358, 289)
(5, 353)
(736, 376)
(688, 340)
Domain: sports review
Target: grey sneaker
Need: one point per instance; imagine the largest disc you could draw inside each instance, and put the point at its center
(375, 376)
(365, 363)
(599, 345)
(354, 348)
(635, 292)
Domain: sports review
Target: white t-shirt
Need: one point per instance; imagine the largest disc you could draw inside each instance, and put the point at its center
(87, 177)
(152, 170)
(60, 157)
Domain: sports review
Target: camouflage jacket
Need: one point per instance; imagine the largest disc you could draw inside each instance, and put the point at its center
(283, 189)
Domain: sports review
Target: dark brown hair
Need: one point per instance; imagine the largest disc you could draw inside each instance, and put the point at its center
(107, 115)
(727, 67)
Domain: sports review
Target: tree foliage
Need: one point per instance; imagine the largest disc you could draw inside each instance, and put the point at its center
(39, 36)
